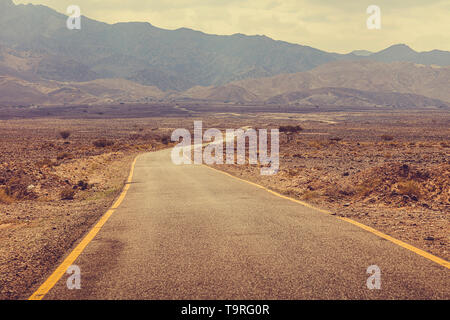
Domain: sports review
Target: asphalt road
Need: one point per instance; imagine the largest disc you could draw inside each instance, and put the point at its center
(189, 232)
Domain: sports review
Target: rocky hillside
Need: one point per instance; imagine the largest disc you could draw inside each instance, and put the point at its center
(373, 83)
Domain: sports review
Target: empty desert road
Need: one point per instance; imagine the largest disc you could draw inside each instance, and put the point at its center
(189, 232)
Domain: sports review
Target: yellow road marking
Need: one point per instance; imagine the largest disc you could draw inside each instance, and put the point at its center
(70, 259)
(405, 245)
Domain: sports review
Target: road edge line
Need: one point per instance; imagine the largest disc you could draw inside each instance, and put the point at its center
(380, 234)
(75, 253)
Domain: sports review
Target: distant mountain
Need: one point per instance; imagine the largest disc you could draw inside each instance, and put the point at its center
(226, 93)
(19, 85)
(372, 82)
(19, 92)
(402, 52)
(177, 59)
(324, 97)
(349, 84)
(168, 59)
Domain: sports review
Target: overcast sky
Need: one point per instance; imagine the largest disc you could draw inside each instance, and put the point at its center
(331, 25)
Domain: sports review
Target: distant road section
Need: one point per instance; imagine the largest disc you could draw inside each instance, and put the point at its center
(189, 232)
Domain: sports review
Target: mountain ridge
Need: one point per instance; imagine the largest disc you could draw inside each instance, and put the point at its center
(168, 59)
(364, 75)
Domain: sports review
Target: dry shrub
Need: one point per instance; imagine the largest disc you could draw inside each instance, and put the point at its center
(317, 144)
(63, 155)
(67, 193)
(290, 129)
(102, 143)
(309, 195)
(65, 134)
(17, 188)
(347, 189)
(332, 192)
(365, 189)
(409, 188)
(165, 139)
(340, 191)
(83, 185)
(386, 137)
(45, 163)
(291, 172)
(5, 198)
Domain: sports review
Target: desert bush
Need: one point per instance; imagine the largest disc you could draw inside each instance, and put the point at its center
(63, 155)
(290, 129)
(386, 137)
(102, 143)
(318, 144)
(83, 185)
(409, 188)
(5, 198)
(332, 192)
(18, 187)
(292, 172)
(65, 134)
(67, 193)
(308, 195)
(347, 189)
(165, 139)
(45, 163)
(365, 189)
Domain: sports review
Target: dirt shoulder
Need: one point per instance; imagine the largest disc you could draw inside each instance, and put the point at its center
(39, 233)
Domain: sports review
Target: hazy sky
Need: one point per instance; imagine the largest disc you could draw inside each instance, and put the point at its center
(331, 25)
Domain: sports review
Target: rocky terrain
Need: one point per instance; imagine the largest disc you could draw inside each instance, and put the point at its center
(373, 83)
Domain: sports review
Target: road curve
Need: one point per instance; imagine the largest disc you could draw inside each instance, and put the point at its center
(188, 232)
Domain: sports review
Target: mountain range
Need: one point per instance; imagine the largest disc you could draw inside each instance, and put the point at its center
(41, 61)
